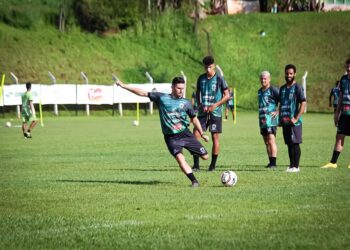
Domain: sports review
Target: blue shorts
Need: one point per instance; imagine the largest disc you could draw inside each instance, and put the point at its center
(269, 130)
(212, 122)
(185, 139)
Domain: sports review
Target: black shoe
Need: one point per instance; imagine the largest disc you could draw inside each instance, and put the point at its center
(195, 184)
(27, 135)
(196, 169)
(211, 168)
(271, 166)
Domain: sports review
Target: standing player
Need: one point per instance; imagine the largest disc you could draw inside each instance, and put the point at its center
(292, 106)
(335, 94)
(268, 97)
(230, 105)
(342, 121)
(28, 112)
(212, 92)
(173, 112)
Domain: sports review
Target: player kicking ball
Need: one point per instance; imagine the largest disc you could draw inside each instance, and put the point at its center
(173, 113)
(28, 112)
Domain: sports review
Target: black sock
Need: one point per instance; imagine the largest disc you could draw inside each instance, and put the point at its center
(297, 154)
(195, 161)
(291, 155)
(335, 157)
(213, 160)
(28, 131)
(191, 177)
(272, 161)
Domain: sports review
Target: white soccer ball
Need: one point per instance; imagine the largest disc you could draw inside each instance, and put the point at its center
(8, 124)
(229, 178)
(135, 123)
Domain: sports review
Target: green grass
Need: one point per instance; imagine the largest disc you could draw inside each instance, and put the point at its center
(314, 42)
(100, 182)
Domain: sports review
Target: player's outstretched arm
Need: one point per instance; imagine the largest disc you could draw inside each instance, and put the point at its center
(136, 91)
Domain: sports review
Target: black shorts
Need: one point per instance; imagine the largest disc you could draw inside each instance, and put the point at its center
(186, 140)
(212, 122)
(231, 107)
(267, 131)
(292, 134)
(344, 125)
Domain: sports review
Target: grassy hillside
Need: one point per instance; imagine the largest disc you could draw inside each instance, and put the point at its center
(316, 43)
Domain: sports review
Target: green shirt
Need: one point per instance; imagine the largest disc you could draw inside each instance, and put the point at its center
(345, 92)
(268, 100)
(26, 98)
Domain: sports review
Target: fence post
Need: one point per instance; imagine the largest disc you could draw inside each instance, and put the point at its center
(304, 86)
(53, 79)
(18, 107)
(185, 78)
(120, 106)
(87, 83)
(220, 70)
(150, 79)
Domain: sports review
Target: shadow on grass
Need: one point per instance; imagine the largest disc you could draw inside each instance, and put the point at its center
(117, 182)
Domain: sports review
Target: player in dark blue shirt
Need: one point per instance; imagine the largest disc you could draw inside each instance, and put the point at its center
(341, 117)
(292, 106)
(173, 113)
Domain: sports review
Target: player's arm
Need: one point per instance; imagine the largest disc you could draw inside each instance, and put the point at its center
(300, 112)
(225, 98)
(337, 112)
(198, 127)
(330, 98)
(136, 91)
(31, 107)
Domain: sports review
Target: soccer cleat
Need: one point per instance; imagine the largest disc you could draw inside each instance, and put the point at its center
(211, 168)
(289, 170)
(330, 165)
(195, 184)
(295, 170)
(196, 169)
(271, 167)
(349, 166)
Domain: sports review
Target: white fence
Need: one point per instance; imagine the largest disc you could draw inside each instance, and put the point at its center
(79, 94)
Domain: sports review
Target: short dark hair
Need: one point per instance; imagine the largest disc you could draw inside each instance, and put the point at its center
(28, 85)
(347, 61)
(290, 66)
(177, 80)
(208, 60)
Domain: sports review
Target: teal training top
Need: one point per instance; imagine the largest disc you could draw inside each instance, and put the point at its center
(209, 92)
(290, 99)
(173, 112)
(335, 93)
(268, 101)
(345, 92)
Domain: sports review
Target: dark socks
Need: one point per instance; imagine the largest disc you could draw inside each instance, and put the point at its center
(272, 161)
(191, 177)
(294, 153)
(335, 156)
(213, 160)
(196, 161)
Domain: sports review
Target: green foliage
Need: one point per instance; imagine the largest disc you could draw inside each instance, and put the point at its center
(100, 182)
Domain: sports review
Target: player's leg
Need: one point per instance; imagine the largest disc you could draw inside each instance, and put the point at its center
(233, 113)
(215, 127)
(342, 131)
(287, 132)
(203, 122)
(226, 113)
(24, 129)
(180, 158)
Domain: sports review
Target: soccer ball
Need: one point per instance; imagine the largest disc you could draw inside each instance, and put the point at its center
(8, 125)
(135, 123)
(229, 178)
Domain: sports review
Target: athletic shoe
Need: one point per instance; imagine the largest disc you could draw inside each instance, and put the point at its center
(27, 135)
(196, 169)
(330, 165)
(271, 167)
(211, 168)
(195, 184)
(289, 169)
(349, 166)
(295, 170)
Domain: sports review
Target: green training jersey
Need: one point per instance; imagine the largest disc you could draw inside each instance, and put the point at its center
(268, 101)
(209, 92)
(26, 98)
(173, 112)
(345, 92)
(290, 98)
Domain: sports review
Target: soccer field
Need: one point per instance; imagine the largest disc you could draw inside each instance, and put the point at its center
(99, 182)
